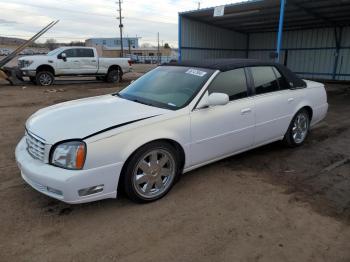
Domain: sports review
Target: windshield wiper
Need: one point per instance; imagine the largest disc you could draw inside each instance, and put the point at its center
(141, 102)
(133, 99)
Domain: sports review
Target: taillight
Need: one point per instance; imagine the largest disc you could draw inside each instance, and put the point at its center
(130, 62)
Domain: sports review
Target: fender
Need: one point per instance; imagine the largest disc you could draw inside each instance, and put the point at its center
(142, 132)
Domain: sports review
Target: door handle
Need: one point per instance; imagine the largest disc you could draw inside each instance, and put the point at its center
(245, 111)
(76, 61)
(291, 99)
(93, 60)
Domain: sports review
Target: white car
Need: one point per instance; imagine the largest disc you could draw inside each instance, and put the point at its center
(72, 61)
(173, 119)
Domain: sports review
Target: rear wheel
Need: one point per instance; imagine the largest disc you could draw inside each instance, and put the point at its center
(113, 76)
(151, 172)
(298, 129)
(44, 78)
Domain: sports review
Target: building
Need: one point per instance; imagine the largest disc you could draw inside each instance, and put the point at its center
(141, 54)
(113, 42)
(311, 37)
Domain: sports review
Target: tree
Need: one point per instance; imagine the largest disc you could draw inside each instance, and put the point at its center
(76, 43)
(146, 45)
(51, 44)
(166, 45)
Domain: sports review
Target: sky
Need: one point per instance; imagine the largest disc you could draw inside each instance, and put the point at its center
(82, 19)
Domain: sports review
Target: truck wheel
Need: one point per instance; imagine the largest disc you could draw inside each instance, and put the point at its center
(33, 80)
(44, 78)
(113, 76)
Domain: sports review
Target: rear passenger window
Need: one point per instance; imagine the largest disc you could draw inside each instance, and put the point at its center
(282, 81)
(264, 79)
(233, 83)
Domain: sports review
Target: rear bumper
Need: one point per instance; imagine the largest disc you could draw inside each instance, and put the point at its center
(63, 184)
(319, 113)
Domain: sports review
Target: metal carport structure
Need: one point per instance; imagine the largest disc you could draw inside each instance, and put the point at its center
(315, 41)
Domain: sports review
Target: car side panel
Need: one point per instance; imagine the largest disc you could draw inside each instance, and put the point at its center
(273, 115)
(102, 150)
(222, 130)
(314, 96)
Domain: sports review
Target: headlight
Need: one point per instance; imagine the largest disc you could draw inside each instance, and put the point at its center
(70, 155)
(25, 63)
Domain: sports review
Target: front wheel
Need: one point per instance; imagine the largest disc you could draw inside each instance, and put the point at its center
(151, 172)
(298, 129)
(44, 78)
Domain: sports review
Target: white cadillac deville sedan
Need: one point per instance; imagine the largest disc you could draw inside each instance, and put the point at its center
(173, 119)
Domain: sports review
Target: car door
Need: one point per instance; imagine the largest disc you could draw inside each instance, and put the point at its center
(88, 61)
(71, 64)
(223, 130)
(273, 106)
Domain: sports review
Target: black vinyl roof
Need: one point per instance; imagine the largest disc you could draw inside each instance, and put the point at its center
(263, 15)
(229, 64)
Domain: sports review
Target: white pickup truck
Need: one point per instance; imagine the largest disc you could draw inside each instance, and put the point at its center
(72, 61)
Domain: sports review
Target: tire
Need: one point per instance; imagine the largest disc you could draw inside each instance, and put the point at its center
(113, 76)
(151, 172)
(44, 78)
(32, 80)
(298, 129)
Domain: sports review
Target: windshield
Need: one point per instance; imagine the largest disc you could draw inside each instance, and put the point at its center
(54, 52)
(171, 87)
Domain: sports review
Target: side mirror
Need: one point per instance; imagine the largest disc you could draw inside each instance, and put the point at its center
(62, 56)
(218, 99)
(214, 99)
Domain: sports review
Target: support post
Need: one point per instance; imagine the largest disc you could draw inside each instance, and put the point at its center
(247, 46)
(179, 40)
(280, 30)
(338, 37)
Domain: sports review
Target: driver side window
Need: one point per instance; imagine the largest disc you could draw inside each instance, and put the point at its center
(70, 52)
(233, 83)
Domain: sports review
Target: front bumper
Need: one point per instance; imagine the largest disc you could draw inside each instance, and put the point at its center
(29, 73)
(64, 184)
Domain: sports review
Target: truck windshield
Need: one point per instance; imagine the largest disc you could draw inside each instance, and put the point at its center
(171, 87)
(54, 52)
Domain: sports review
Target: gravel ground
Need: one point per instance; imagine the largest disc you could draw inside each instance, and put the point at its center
(269, 204)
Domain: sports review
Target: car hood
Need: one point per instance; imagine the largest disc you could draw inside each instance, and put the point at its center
(32, 57)
(82, 118)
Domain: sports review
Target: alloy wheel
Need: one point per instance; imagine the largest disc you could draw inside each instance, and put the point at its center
(154, 173)
(300, 127)
(45, 79)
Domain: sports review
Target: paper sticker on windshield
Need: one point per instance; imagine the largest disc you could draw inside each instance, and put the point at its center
(196, 72)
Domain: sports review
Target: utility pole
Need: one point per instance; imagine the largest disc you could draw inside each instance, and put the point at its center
(121, 28)
(158, 50)
(199, 5)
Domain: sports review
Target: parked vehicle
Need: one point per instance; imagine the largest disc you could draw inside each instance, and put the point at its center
(173, 119)
(72, 61)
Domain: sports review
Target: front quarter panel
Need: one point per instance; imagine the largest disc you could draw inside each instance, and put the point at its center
(117, 145)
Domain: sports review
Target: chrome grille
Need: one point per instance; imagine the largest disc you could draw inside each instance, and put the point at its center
(35, 147)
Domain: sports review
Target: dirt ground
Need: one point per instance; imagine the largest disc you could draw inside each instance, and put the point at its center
(269, 204)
